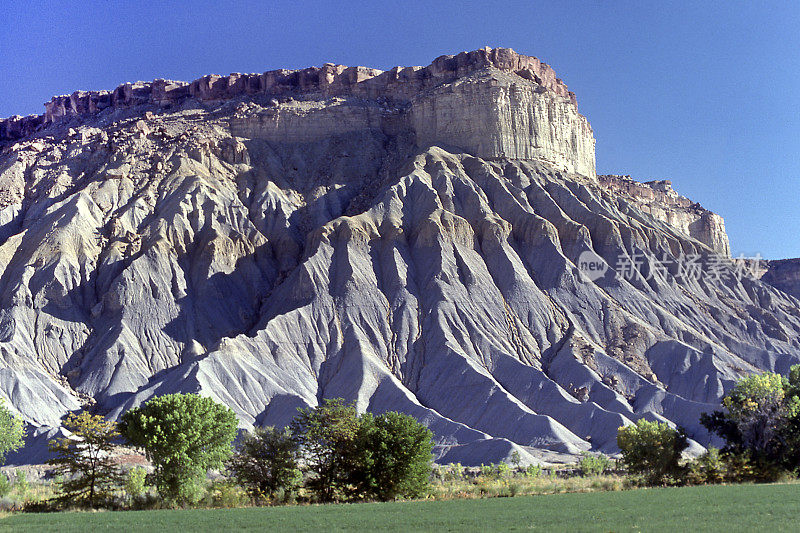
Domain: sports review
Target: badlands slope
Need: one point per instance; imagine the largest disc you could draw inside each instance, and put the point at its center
(407, 239)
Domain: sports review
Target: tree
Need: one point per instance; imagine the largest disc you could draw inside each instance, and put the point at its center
(761, 421)
(652, 449)
(183, 435)
(12, 432)
(265, 462)
(84, 460)
(327, 437)
(395, 457)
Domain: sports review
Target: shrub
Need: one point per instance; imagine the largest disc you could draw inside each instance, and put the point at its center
(593, 465)
(21, 482)
(136, 481)
(183, 435)
(265, 462)
(226, 495)
(533, 470)
(327, 437)
(368, 457)
(652, 450)
(454, 472)
(502, 470)
(5, 486)
(83, 459)
(12, 432)
(395, 457)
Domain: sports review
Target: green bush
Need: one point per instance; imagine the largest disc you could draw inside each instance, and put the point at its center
(12, 432)
(226, 495)
(710, 468)
(5, 486)
(265, 462)
(533, 470)
(652, 450)
(183, 435)
(352, 457)
(136, 481)
(502, 470)
(21, 484)
(593, 464)
(394, 457)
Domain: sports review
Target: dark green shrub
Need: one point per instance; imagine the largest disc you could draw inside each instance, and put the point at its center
(395, 457)
(327, 435)
(265, 462)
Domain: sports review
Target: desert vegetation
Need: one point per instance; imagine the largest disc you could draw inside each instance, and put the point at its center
(331, 453)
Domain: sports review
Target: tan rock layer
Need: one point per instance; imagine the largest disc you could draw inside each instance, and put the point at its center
(660, 200)
(399, 83)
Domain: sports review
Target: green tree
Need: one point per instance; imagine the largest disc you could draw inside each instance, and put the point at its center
(183, 435)
(83, 459)
(327, 436)
(760, 423)
(652, 449)
(395, 457)
(12, 432)
(265, 462)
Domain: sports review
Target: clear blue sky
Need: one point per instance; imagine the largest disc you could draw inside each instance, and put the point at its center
(702, 93)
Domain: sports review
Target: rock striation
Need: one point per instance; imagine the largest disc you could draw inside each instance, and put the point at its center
(409, 240)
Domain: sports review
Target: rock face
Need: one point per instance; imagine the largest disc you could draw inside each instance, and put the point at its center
(410, 240)
(783, 274)
(476, 101)
(660, 200)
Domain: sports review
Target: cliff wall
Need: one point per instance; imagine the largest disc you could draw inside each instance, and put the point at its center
(659, 199)
(491, 103)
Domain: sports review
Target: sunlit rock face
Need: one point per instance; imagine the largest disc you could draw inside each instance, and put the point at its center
(662, 202)
(408, 240)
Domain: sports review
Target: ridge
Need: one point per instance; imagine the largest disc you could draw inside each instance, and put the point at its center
(398, 84)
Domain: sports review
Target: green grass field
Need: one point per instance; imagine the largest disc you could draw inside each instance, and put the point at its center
(706, 508)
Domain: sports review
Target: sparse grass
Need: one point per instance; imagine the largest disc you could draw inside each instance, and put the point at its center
(703, 508)
(492, 487)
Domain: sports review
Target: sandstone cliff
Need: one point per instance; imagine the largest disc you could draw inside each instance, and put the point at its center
(408, 240)
(660, 200)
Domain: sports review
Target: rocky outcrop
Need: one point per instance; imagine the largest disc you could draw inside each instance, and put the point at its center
(660, 200)
(492, 103)
(272, 250)
(783, 274)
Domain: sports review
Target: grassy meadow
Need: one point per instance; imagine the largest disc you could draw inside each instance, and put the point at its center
(773, 507)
